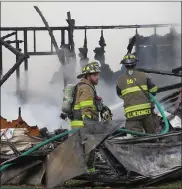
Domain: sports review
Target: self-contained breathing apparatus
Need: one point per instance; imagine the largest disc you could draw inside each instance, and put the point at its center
(69, 98)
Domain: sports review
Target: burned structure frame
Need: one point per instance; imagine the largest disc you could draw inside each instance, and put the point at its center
(60, 51)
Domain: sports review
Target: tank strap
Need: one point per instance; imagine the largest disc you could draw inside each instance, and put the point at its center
(75, 92)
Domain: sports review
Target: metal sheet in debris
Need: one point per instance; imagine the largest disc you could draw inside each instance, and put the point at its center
(32, 177)
(65, 162)
(15, 170)
(149, 159)
(95, 132)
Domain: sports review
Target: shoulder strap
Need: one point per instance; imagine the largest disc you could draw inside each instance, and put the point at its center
(76, 89)
(146, 95)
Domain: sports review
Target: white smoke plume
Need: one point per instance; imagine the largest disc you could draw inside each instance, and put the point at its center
(40, 99)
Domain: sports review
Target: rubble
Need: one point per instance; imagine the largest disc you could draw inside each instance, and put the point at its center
(30, 155)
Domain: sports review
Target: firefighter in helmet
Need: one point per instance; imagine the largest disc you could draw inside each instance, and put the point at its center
(133, 87)
(87, 105)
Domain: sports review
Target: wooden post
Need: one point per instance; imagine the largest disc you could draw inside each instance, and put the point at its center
(34, 40)
(155, 47)
(25, 50)
(62, 38)
(1, 59)
(19, 112)
(17, 57)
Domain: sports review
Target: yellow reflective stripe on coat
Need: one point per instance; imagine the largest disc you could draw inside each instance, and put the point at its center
(76, 106)
(133, 89)
(87, 116)
(77, 123)
(86, 103)
(137, 107)
(138, 113)
(153, 90)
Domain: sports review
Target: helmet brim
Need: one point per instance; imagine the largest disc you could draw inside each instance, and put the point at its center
(81, 75)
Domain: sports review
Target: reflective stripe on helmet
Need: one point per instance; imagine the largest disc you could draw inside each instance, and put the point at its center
(133, 89)
(137, 107)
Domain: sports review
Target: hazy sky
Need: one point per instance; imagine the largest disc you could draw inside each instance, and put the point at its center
(93, 13)
(44, 111)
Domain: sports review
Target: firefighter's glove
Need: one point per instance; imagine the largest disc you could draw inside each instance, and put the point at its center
(106, 113)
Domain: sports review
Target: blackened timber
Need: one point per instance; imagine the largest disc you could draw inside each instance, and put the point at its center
(31, 28)
(9, 35)
(8, 46)
(1, 58)
(62, 37)
(34, 40)
(169, 87)
(52, 39)
(176, 70)
(41, 53)
(88, 27)
(15, 66)
(25, 50)
(158, 72)
(17, 57)
(70, 31)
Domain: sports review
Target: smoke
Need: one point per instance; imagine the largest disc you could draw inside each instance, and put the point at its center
(164, 57)
(41, 89)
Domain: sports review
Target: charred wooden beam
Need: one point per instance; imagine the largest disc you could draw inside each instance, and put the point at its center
(169, 97)
(88, 27)
(14, 41)
(17, 57)
(25, 50)
(21, 58)
(62, 38)
(11, 71)
(83, 52)
(176, 70)
(71, 24)
(12, 49)
(169, 87)
(41, 53)
(1, 58)
(34, 40)
(158, 72)
(31, 28)
(52, 38)
(9, 35)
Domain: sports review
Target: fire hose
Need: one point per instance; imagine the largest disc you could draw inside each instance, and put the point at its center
(6, 165)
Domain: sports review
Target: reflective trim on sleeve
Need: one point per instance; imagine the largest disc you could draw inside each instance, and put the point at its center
(77, 107)
(86, 103)
(153, 90)
(77, 123)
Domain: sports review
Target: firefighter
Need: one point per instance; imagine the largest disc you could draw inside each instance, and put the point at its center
(87, 105)
(133, 87)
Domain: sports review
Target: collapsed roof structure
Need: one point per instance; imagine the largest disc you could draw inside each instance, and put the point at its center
(143, 160)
